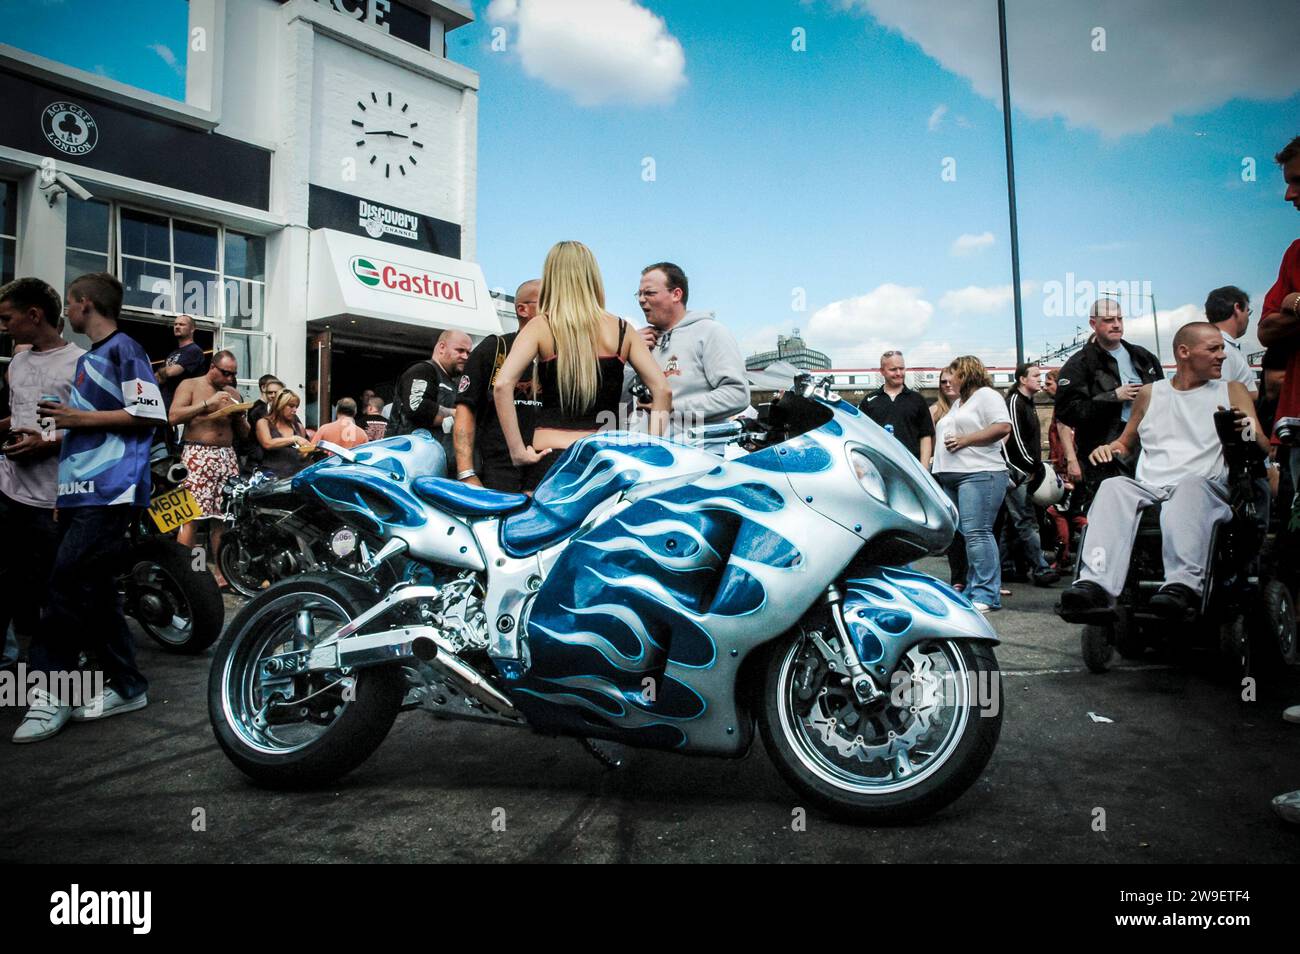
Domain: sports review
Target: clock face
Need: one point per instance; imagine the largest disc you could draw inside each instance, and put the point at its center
(387, 134)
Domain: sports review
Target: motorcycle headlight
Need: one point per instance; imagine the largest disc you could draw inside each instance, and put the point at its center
(868, 475)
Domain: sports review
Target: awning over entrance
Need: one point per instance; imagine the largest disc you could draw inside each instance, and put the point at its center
(368, 279)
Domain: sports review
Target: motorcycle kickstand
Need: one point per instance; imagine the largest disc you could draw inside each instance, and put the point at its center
(608, 754)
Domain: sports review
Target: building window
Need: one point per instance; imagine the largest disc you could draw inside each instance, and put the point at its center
(244, 271)
(8, 230)
(88, 238)
(173, 266)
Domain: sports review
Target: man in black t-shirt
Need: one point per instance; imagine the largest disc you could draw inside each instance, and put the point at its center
(426, 391)
(482, 457)
(187, 361)
(900, 410)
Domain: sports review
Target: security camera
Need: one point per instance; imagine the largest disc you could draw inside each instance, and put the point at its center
(73, 186)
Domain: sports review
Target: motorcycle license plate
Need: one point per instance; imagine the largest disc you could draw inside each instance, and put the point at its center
(174, 508)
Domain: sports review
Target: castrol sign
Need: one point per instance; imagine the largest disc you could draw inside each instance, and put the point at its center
(378, 287)
(413, 282)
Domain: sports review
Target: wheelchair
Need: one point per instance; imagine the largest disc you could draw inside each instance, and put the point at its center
(1246, 617)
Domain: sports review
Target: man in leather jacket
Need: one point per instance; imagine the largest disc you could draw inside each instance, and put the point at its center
(1097, 386)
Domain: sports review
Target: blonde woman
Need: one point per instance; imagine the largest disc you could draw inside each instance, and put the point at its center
(969, 466)
(581, 352)
(281, 434)
(943, 404)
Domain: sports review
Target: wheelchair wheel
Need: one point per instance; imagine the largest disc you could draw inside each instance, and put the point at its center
(1271, 632)
(1128, 640)
(1098, 647)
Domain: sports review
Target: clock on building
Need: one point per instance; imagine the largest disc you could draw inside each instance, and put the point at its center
(387, 134)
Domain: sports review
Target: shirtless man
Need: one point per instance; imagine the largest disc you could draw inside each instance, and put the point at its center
(207, 450)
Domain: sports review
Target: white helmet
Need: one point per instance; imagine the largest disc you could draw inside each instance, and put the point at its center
(1048, 489)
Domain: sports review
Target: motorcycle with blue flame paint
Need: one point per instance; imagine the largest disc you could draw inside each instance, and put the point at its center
(651, 593)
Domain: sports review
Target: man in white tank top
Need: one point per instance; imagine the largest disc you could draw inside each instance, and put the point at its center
(1181, 466)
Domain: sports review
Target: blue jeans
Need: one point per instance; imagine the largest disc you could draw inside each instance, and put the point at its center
(82, 607)
(1021, 531)
(978, 497)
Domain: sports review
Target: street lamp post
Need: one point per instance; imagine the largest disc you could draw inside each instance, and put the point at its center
(1011, 182)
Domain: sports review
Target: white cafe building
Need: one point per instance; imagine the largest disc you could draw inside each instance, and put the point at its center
(311, 200)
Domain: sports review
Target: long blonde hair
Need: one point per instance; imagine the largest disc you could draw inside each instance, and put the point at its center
(973, 375)
(280, 401)
(573, 301)
(942, 406)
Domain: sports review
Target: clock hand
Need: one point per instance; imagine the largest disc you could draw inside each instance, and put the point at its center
(387, 132)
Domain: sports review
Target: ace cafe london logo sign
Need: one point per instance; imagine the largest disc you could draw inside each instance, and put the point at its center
(412, 282)
(69, 128)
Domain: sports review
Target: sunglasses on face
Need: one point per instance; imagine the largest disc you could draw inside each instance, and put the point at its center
(224, 373)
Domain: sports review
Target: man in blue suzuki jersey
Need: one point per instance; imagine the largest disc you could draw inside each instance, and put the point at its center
(109, 422)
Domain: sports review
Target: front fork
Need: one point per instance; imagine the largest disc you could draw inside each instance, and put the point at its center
(865, 689)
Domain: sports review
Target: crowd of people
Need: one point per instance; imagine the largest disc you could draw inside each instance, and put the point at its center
(81, 427)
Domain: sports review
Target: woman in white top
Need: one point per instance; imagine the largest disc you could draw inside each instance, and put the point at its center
(968, 464)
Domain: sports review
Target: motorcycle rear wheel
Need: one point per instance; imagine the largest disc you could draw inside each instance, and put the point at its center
(923, 767)
(178, 606)
(305, 729)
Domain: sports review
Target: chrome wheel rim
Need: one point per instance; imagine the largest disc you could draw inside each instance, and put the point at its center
(890, 748)
(284, 712)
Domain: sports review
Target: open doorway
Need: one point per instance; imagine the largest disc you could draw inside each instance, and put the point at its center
(343, 364)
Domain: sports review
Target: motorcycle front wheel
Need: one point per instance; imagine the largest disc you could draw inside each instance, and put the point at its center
(285, 726)
(894, 760)
(180, 607)
(242, 570)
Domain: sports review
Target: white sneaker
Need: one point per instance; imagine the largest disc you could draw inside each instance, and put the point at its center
(46, 716)
(985, 608)
(1287, 806)
(108, 703)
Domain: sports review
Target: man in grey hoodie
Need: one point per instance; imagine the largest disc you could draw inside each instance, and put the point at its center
(699, 356)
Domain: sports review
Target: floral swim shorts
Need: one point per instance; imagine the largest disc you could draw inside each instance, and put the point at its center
(208, 468)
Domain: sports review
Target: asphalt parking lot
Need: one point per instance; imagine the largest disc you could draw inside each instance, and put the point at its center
(1183, 772)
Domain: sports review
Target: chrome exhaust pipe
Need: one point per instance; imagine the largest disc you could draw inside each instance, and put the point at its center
(469, 681)
(404, 645)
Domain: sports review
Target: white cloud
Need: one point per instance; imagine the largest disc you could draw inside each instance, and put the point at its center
(969, 244)
(167, 56)
(982, 300)
(1158, 62)
(597, 51)
(936, 117)
(887, 311)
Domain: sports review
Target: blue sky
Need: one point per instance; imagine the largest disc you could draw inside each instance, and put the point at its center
(821, 169)
(805, 188)
(138, 42)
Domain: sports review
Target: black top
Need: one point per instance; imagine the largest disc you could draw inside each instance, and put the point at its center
(907, 415)
(475, 391)
(192, 359)
(422, 389)
(1085, 395)
(283, 461)
(608, 397)
(1024, 447)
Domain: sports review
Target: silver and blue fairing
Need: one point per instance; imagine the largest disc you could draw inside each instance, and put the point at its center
(639, 630)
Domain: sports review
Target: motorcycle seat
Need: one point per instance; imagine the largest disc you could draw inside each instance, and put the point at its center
(465, 500)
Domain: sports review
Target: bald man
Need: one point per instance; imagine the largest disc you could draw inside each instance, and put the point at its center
(1097, 386)
(1181, 466)
(482, 456)
(426, 391)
